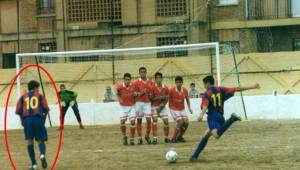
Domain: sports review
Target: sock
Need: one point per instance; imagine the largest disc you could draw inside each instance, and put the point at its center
(166, 131)
(183, 130)
(154, 130)
(123, 130)
(148, 129)
(200, 147)
(132, 132)
(176, 132)
(139, 130)
(42, 147)
(31, 153)
(225, 126)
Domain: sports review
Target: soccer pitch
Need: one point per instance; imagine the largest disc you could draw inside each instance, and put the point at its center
(252, 144)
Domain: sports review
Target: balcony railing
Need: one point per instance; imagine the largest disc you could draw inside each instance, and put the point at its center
(272, 9)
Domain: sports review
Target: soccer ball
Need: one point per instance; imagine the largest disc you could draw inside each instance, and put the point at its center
(172, 156)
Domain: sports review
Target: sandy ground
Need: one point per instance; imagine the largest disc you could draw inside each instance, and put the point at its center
(247, 145)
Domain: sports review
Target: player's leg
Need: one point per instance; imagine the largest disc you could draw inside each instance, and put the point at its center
(132, 130)
(29, 136)
(183, 129)
(166, 129)
(164, 116)
(139, 118)
(132, 118)
(179, 123)
(154, 125)
(177, 117)
(41, 136)
(64, 112)
(147, 112)
(77, 114)
(201, 145)
(123, 130)
(31, 153)
(218, 132)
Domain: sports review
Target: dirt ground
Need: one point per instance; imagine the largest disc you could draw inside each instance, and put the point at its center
(247, 145)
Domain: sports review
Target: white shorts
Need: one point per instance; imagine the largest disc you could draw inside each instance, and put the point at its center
(143, 109)
(163, 113)
(127, 112)
(178, 114)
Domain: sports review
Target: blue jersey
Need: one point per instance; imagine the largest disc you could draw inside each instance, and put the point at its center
(32, 104)
(215, 97)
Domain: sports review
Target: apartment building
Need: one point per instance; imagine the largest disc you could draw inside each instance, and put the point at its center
(58, 25)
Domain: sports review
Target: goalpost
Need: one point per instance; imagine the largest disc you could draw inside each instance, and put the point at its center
(90, 71)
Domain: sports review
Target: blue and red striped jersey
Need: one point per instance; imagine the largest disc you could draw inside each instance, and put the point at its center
(31, 104)
(215, 97)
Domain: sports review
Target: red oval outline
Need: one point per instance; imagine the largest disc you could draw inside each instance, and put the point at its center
(5, 114)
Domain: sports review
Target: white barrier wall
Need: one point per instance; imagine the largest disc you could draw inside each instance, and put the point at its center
(257, 107)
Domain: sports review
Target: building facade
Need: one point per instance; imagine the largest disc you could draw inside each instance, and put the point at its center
(60, 25)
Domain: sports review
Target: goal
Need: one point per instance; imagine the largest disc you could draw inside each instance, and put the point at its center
(90, 72)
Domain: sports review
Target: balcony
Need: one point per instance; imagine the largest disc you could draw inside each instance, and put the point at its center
(272, 9)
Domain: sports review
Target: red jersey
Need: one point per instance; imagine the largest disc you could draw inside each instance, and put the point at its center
(162, 92)
(176, 98)
(145, 87)
(126, 94)
(32, 104)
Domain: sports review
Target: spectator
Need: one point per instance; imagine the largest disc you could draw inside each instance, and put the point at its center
(109, 95)
(193, 93)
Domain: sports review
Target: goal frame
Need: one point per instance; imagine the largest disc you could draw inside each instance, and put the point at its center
(214, 45)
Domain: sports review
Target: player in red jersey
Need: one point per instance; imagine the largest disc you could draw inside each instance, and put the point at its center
(158, 101)
(125, 93)
(177, 95)
(32, 108)
(143, 92)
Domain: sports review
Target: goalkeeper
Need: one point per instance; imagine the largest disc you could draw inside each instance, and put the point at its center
(68, 98)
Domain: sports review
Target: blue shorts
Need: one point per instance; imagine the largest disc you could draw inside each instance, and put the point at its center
(215, 120)
(34, 128)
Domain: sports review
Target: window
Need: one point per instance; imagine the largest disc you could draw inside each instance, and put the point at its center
(47, 47)
(9, 60)
(94, 10)
(163, 41)
(45, 7)
(296, 44)
(228, 2)
(171, 7)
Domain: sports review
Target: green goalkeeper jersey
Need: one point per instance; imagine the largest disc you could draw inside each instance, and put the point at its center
(67, 96)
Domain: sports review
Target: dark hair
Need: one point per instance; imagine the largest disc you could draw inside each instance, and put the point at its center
(142, 68)
(127, 75)
(209, 79)
(178, 78)
(32, 85)
(192, 84)
(158, 74)
(62, 85)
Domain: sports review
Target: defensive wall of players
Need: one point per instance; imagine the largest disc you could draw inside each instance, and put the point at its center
(257, 107)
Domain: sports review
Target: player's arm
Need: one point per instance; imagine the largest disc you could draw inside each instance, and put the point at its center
(244, 88)
(188, 102)
(45, 104)
(203, 111)
(204, 106)
(18, 107)
(119, 95)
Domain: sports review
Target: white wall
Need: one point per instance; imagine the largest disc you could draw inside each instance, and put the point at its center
(257, 107)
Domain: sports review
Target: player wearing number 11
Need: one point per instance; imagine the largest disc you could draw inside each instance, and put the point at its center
(32, 108)
(213, 102)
